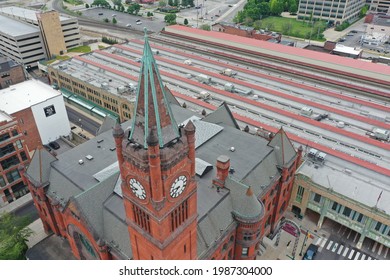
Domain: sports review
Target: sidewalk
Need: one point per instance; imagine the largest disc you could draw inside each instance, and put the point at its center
(286, 243)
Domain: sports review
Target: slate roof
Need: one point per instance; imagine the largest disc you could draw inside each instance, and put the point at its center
(284, 149)
(222, 114)
(39, 168)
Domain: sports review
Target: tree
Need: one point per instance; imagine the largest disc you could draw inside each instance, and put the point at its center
(114, 21)
(102, 3)
(86, 6)
(162, 3)
(170, 3)
(106, 20)
(293, 7)
(13, 236)
(248, 21)
(176, 3)
(205, 27)
(117, 2)
(363, 11)
(170, 18)
(185, 21)
(133, 8)
(276, 7)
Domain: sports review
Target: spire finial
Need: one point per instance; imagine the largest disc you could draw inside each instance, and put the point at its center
(146, 33)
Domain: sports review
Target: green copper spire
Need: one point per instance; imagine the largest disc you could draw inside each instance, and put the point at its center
(152, 110)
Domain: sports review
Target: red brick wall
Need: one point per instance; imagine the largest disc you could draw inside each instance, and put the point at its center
(29, 128)
(16, 75)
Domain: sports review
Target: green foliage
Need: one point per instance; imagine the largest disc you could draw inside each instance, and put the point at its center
(86, 5)
(109, 40)
(82, 49)
(13, 236)
(293, 7)
(186, 3)
(364, 11)
(175, 3)
(102, 3)
(106, 20)
(170, 3)
(117, 2)
(74, 2)
(133, 8)
(162, 3)
(342, 26)
(205, 27)
(276, 7)
(170, 18)
(114, 21)
(185, 21)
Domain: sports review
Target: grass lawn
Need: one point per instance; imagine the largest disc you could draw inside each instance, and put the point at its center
(81, 49)
(293, 27)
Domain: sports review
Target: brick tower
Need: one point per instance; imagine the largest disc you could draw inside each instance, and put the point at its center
(157, 163)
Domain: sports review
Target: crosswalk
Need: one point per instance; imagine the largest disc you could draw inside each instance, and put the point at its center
(342, 250)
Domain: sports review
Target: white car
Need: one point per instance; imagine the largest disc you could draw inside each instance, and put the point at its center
(128, 25)
(139, 22)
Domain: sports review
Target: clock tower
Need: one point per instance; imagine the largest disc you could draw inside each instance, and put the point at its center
(157, 163)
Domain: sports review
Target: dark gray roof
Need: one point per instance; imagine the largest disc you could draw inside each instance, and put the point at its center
(245, 203)
(91, 201)
(107, 125)
(39, 168)
(222, 115)
(284, 149)
(92, 183)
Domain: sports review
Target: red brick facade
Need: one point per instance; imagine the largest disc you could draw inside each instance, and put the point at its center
(29, 128)
(11, 76)
(13, 153)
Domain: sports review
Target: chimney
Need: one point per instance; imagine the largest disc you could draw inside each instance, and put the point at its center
(223, 166)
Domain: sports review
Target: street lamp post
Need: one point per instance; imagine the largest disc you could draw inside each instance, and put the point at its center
(304, 242)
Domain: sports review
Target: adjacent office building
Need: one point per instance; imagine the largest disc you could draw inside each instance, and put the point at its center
(351, 195)
(27, 36)
(335, 12)
(10, 72)
(13, 152)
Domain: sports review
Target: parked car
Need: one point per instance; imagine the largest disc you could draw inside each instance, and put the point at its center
(128, 25)
(139, 22)
(47, 147)
(311, 252)
(54, 145)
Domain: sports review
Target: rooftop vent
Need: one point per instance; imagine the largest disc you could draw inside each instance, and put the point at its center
(89, 157)
(348, 171)
(100, 140)
(81, 161)
(112, 149)
(232, 149)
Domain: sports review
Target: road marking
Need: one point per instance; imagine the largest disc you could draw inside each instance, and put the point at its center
(329, 244)
(345, 251)
(357, 255)
(335, 247)
(340, 249)
(363, 257)
(318, 240)
(323, 243)
(350, 254)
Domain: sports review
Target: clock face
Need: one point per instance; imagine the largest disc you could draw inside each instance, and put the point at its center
(178, 186)
(137, 189)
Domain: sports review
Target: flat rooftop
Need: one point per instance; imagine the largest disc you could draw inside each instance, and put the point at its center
(24, 95)
(350, 180)
(28, 14)
(5, 117)
(15, 28)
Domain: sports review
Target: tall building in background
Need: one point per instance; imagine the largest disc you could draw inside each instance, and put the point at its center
(335, 12)
(13, 152)
(28, 36)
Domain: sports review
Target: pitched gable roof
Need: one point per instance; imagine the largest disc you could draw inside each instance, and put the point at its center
(222, 115)
(284, 149)
(39, 168)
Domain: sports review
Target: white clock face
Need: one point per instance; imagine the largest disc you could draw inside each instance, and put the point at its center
(178, 186)
(137, 189)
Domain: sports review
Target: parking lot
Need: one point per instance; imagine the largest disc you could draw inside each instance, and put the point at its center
(154, 24)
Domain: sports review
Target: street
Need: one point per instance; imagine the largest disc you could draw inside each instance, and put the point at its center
(82, 121)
